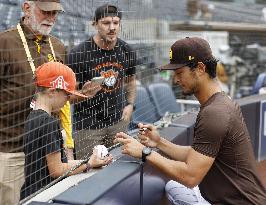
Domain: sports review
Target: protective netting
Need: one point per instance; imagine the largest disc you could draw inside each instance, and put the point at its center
(148, 28)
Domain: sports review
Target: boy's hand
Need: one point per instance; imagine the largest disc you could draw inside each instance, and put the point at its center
(96, 161)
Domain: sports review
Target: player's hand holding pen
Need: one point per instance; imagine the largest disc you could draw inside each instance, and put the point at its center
(148, 135)
(130, 145)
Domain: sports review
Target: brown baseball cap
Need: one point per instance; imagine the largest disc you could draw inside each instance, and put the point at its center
(49, 5)
(187, 51)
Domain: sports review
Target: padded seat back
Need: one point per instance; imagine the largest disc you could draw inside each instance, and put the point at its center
(164, 98)
(145, 110)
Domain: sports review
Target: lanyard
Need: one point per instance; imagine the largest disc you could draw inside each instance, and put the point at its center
(27, 50)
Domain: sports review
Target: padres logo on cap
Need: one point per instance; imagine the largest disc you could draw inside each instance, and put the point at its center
(190, 58)
(170, 54)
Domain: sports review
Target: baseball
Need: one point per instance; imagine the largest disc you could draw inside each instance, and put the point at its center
(101, 151)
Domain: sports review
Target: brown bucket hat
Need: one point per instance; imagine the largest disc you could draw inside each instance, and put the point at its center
(49, 5)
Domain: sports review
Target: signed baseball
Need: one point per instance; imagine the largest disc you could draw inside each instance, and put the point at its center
(101, 151)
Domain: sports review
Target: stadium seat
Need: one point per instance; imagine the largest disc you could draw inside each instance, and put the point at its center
(145, 110)
(260, 82)
(163, 98)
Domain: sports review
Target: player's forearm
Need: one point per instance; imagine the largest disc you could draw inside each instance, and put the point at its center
(176, 170)
(175, 152)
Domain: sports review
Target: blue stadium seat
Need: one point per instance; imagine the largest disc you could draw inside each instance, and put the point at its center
(163, 98)
(145, 111)
(260, 82)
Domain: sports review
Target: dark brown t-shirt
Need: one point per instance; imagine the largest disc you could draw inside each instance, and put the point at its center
(220, 132)
(16, 82)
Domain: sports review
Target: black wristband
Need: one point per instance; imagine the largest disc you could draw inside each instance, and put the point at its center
(146, 151)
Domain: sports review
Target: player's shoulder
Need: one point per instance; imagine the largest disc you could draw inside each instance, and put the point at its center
(218, 105)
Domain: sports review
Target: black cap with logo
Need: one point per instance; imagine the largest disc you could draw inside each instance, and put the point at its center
(107, 10)
(187, 51)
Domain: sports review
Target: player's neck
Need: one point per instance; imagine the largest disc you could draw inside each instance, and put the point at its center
(207, 90)
(105, 45)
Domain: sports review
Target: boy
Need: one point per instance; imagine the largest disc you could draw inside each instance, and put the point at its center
(43, 142)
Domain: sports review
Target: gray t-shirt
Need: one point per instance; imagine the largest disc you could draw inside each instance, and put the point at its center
(221, 133)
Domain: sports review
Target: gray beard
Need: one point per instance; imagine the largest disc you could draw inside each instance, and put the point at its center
(37, 27)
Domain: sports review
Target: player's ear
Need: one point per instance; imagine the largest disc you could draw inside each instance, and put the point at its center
(201, 67)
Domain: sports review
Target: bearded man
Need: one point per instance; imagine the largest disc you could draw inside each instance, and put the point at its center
(22, 49)
(97, 120)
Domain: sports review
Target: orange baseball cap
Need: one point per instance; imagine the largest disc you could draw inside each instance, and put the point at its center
(57, 75)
